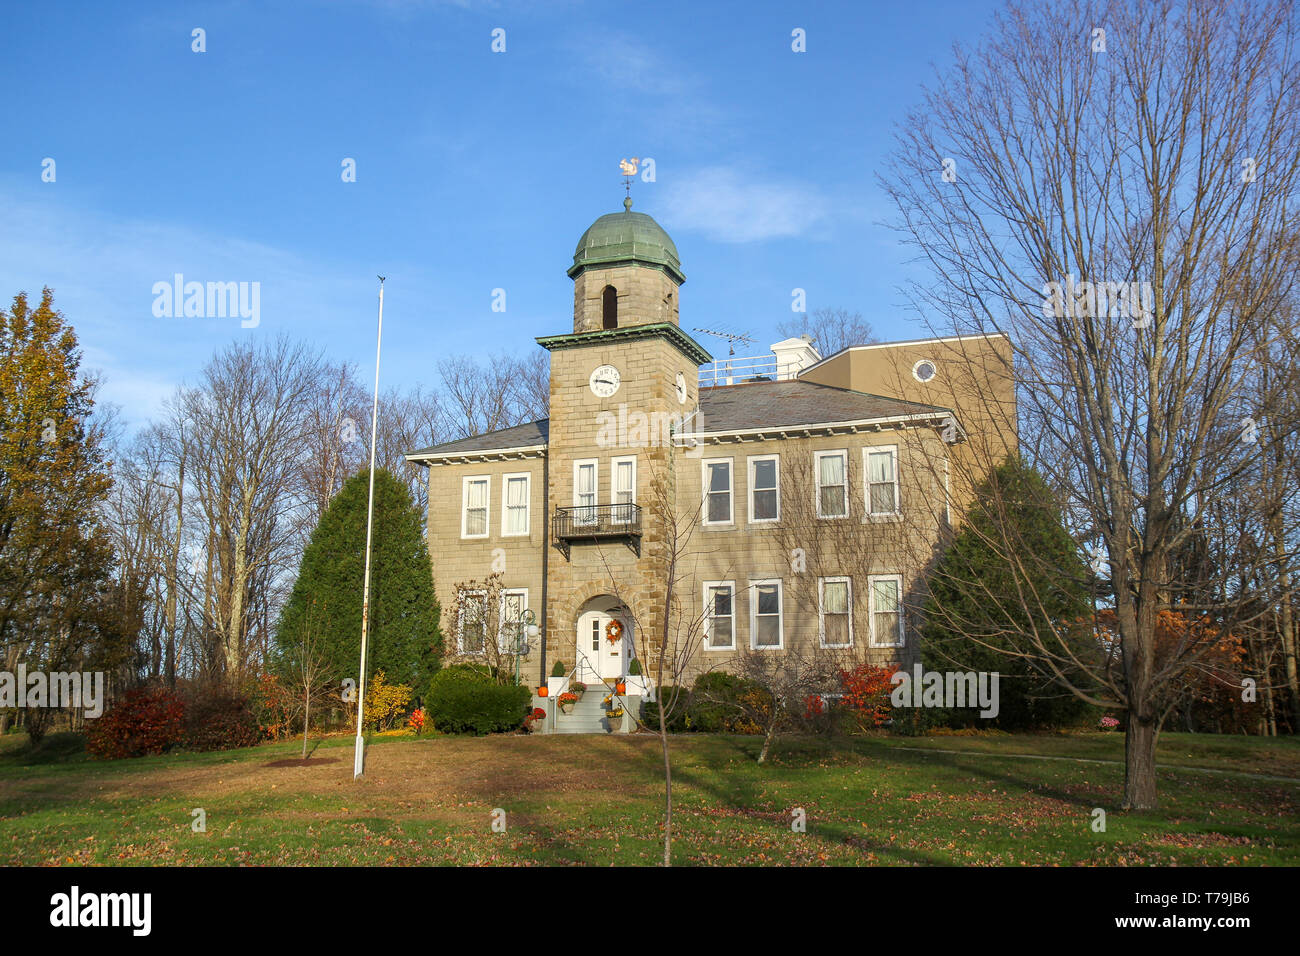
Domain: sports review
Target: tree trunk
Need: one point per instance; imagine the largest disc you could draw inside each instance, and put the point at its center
(1140, 764)
(767, 741)
(306, 722)
(668, 791)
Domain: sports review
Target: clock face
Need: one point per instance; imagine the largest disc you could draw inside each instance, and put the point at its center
(605, 381)
(681, 389)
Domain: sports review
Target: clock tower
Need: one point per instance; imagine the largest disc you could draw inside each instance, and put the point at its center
(622, 384)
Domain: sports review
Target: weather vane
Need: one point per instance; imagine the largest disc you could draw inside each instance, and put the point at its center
(628, 168)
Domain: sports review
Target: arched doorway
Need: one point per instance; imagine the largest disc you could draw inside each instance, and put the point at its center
(598, 657)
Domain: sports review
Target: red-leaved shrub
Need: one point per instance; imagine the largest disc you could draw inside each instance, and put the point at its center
(144, 721)
(866, 691)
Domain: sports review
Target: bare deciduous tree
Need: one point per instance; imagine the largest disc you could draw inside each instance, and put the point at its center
(1147, 167)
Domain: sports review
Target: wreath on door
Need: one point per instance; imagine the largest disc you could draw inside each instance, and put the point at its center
(614, 631)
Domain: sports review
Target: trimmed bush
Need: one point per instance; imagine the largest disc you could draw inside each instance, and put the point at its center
(219, 719)
(464, 699)
(144, 721)
(558, 670)
(719, 702)
(678, 722)
(634, 668)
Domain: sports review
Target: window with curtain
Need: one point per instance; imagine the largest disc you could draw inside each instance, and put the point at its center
(476, 508)
(836, 612)
(472, 623)
(882, 483)
(584, 493)
(766, 596)
(516, 504)
(624, 489)
(764, 504)
(720, 622)
(886, 613)
(717, 492)
(832, 484)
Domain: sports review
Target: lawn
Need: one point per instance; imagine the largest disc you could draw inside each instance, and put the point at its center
(987, 800)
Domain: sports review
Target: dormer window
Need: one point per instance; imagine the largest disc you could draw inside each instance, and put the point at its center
(609, 308)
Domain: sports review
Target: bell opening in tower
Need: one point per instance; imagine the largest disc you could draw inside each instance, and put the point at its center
(609, 308)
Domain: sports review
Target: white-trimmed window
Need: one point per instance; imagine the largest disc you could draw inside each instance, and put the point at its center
(764, 488)
(880, 464)
(471, 621)
(476, 490)
(586, 473)
(624, 487)
(885, 607)
(832, 468)
(766, 617)
(514, 601)
(717, 490)
(835, 611)
(514, 504)
(719, 615)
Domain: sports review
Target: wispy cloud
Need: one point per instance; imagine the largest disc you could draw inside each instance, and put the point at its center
(102, 271)
(732, 205)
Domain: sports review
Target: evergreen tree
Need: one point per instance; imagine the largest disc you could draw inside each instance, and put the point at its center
(1013, 553)
(404, 639)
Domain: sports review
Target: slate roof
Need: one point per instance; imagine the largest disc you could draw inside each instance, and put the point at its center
(762, 405)
(517, 436)
(751, 406)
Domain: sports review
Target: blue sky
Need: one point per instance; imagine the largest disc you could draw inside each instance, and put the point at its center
(475, 170)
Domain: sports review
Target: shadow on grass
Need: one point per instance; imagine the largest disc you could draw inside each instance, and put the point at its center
(64, 747)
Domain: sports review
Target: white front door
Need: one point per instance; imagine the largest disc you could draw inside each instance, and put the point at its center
(600, 657)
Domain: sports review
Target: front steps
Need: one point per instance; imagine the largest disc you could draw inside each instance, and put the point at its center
(588, 715)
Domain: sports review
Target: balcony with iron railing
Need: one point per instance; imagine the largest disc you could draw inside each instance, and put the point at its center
(597, 523)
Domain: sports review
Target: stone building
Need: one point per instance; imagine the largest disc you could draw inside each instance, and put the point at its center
(796, 500)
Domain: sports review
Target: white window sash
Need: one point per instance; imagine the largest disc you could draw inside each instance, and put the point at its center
(624, 488)
(842, 484)
(822, 611)
(515, 506)
(874, 612)
(755, 618)
(872, 478)
(706, 475)
(774, 491)
(586, 496)
(710, 618)
(474, 488)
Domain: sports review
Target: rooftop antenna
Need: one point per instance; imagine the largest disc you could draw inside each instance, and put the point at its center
(628, 168)
(732, 338)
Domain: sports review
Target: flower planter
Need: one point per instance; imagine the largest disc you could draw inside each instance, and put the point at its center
(566, 708)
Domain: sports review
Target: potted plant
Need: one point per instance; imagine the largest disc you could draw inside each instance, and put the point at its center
(555, 684)
(566, 701)
(577, 688)
(613, 712)
(535, 716)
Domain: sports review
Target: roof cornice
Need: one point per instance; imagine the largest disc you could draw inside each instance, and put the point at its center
(486, 455)
(685, 344)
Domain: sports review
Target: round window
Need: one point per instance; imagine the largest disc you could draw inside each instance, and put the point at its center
(923, 370)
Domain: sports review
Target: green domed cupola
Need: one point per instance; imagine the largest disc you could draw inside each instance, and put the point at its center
(626, 238)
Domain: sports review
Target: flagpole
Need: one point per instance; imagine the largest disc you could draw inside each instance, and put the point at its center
(359, 749)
